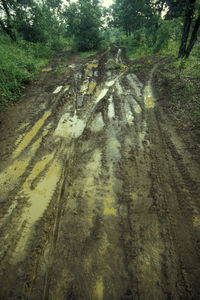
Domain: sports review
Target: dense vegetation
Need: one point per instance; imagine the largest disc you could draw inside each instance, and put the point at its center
(32, 30)
(168, 29)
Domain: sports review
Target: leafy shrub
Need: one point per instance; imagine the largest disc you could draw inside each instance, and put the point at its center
(19, 62)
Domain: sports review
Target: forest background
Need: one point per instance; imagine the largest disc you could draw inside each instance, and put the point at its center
(32, 31)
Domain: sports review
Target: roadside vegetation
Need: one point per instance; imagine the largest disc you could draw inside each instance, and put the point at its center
(31, 31)
(164, 31)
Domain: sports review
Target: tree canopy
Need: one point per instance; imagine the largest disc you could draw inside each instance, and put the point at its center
(83, 21)
(46, 20)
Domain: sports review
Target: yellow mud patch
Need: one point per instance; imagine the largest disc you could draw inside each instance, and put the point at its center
(93, 65)
(92, 86)
(98, 291)
(23, 126)
(14, 171)
(67, 86)
(149, 102)
(196, 221)
(46, 69)
(138, 109)
(39, 167)
(11, 174)
(57, 140)
(41, 195)
(30, 135)
(19, 139)
(109, 206)
(84, 87)
(123, 67)
(130, 119)
(38, 199)
(148, 97)
(72, 66)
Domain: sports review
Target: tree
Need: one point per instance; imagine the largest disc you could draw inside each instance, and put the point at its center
(190, 28)
(193, 37)
(83, 22)
(175, 9)
(133, 15)
(189, 14)
(33, 20)
(6, 21)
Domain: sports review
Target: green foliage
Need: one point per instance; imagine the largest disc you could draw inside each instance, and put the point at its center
(146, 42)
(87, 54)
(133, 15)
(136, 47)
(103, 45)
(113, 65)
(180, 80)
(84, 21)
(18, 65)
(39, 30)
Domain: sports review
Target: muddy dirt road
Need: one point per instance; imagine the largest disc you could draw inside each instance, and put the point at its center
(99, 195)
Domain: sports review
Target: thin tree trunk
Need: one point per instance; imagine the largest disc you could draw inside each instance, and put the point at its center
(186, 29)
(193, 37)
(5, 8)
(8, 31)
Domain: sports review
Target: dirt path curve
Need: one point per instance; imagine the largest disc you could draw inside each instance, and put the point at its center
(99, 196)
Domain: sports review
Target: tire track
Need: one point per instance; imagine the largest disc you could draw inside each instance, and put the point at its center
(105, 206)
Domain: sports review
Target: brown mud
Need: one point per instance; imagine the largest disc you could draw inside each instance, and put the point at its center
(99, 193)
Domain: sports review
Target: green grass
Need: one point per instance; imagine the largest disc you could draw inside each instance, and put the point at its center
(179, 79)
(135, 50)
(87, 54)
(103, 45)
(19, 62)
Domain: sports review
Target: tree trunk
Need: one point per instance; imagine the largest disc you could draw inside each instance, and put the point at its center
(8, 31)
(186, 28)
(5, 8)
(193, 37)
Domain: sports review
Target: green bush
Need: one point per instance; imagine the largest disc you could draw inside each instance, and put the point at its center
(136, 46)
(19, 62)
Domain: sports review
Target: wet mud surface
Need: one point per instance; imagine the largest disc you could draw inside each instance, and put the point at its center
(99, 194)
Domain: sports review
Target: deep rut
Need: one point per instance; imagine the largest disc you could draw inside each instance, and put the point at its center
(99, 201)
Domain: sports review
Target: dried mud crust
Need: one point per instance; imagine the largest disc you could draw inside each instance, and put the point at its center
(99, 193)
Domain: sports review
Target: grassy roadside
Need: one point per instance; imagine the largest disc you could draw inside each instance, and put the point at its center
(176, 82)
(178, 88)
(88, 54)
(19, 63)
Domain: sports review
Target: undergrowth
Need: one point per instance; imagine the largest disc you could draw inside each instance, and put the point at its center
(103, 45)
(19, 62)
(178, 78)
(87, 54)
